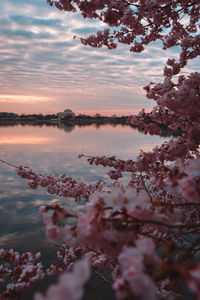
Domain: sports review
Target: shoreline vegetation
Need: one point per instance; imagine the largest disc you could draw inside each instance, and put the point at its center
(69, 122)
(54, 119)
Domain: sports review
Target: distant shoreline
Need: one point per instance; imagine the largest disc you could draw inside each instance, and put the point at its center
(77, 120)
(81, 121)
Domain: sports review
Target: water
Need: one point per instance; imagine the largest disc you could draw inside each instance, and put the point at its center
(49, 149)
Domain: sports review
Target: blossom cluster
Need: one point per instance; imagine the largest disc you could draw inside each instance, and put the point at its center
(62, 186)
(19, 272)
(138, 23)
(70, 285)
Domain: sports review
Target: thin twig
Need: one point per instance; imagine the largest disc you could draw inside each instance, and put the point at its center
(189, 250)
(102, 277)
(150, 197)
(186, 204)
(154, 222)
(5, 162)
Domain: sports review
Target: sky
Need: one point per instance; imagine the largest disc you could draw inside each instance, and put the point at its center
(44, 70)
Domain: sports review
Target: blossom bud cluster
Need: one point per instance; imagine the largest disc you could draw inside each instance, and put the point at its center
(62, 186)
(19, 272)
(70, 285)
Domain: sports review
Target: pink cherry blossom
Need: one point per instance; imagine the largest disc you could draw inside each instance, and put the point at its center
(70, 285)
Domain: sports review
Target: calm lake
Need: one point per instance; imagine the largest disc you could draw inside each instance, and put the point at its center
(49, 149)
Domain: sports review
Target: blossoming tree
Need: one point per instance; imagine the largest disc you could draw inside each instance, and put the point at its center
(145, 231)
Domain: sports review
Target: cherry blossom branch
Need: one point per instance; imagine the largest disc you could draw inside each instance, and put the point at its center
(149, 194)
(188, 251)
(172, 226)
(7, 163)
(102, 277)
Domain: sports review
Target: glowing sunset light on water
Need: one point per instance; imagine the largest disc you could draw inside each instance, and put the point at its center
(26, 135)
(24, 140)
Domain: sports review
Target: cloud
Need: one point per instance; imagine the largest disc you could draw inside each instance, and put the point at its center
(24, 99)
(39, 57)
(25, 34)
(33, 20)
(85, 30)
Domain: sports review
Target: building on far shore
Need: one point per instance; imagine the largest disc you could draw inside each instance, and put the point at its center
(66, 114)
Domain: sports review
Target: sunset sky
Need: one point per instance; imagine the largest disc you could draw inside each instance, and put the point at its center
(44, 70)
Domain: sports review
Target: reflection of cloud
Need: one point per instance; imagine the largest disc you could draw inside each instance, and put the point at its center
(6, 238)
(20, 220)
(26, 140)
(38, 202)
(146, 147)
(26, 241)
(20, 204)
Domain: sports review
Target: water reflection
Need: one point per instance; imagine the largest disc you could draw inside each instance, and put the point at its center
(54, 149)
(66, 127)
(25, 140)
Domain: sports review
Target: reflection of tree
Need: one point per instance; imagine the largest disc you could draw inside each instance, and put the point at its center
(69, 126)
(165, 131)
(66, 127)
